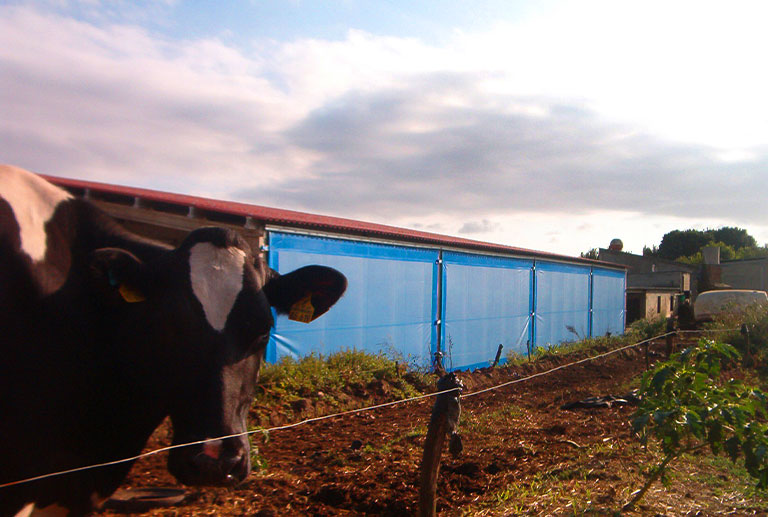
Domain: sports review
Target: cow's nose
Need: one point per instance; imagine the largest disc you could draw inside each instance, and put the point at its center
(236, 468)
(217, 464)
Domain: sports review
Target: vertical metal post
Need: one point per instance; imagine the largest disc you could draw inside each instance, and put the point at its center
(439, 305)
(624, 311)
(532, 306)
(591, 297)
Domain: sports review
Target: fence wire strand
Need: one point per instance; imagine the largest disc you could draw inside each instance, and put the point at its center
(340, 414)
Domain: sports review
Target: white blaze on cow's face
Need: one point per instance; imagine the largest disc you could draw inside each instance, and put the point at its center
(33, 201)
(217, 278)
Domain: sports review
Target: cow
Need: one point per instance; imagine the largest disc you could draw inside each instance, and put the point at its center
(104, 334)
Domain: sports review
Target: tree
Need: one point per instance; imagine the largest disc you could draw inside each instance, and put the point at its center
(726, 253)
(591, 254)
(651, 252)
(682, 243)
(737, 238)
(688, 243)
(752, 253)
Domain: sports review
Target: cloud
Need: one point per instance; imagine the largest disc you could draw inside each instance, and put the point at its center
(117, 103)
(469, 136)
(484, 226)
(411, 151)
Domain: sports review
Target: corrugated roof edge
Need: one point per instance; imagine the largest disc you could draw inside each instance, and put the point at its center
(291, 218)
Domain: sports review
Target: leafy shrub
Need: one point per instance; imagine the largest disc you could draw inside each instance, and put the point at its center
(643, 329)
(686, 407)
(756, 319)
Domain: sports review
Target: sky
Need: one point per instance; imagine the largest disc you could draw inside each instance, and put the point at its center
(550, 125)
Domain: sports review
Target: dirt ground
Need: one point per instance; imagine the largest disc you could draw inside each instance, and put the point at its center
(522, 454)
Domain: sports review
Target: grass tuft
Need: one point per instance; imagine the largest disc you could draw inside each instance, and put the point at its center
(337, 377)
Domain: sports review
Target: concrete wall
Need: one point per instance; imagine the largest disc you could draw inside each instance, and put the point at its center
(745, 274)
(659, 303)
(672, 279)
(650, 304)
(642, 264)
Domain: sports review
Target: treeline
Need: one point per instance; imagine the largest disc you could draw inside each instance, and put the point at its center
(686, 245)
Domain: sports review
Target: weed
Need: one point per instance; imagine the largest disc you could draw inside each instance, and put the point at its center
(646, 328)
(383, 450)
(542, 489)
(502, 416)
(416, 432)
(337, 377)
(258, 462)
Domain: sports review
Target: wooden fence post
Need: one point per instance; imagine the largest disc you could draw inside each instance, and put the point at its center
(443, 422)
(670, 335)
(498, 356)
(748, 356)
(438, 363)
(647, 360)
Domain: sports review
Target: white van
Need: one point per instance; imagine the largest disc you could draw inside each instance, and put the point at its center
(710, 303)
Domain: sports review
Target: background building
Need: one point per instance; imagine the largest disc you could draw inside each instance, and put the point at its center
(654, 285)
(410, 293)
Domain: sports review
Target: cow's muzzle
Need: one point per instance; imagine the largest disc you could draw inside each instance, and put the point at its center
(219, 462)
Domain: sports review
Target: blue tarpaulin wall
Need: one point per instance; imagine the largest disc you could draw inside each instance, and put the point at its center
(389, 303)
(396, 295)
(608, 292)
(562, 298)
(486, 302)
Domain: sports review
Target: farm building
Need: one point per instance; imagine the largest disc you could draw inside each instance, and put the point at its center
(415, 294)
(653, 285)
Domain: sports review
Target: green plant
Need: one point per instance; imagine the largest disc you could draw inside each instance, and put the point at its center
(325, 377)
(647, 328)
(638, 331)
(686, 406)
(258, 462)
(755, 318)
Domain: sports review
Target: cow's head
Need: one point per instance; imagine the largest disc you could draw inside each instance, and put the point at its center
(200, 319)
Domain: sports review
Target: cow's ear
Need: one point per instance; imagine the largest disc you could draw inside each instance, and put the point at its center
(119, 271)
(306, 293)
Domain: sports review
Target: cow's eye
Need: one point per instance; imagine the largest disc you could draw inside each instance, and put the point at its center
(259, 343)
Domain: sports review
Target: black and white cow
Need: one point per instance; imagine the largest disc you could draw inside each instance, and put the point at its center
(103, 334)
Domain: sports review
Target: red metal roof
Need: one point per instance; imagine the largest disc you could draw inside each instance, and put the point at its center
(290, 218)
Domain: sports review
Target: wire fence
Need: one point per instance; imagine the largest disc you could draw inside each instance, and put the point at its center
(348, 412)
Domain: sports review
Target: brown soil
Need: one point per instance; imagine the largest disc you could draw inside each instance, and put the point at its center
(522, 455)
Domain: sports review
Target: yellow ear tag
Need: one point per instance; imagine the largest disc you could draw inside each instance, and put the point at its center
(302, 310)
(130, 294)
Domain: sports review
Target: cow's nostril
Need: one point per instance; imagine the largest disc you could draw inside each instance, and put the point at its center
(236, 467)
